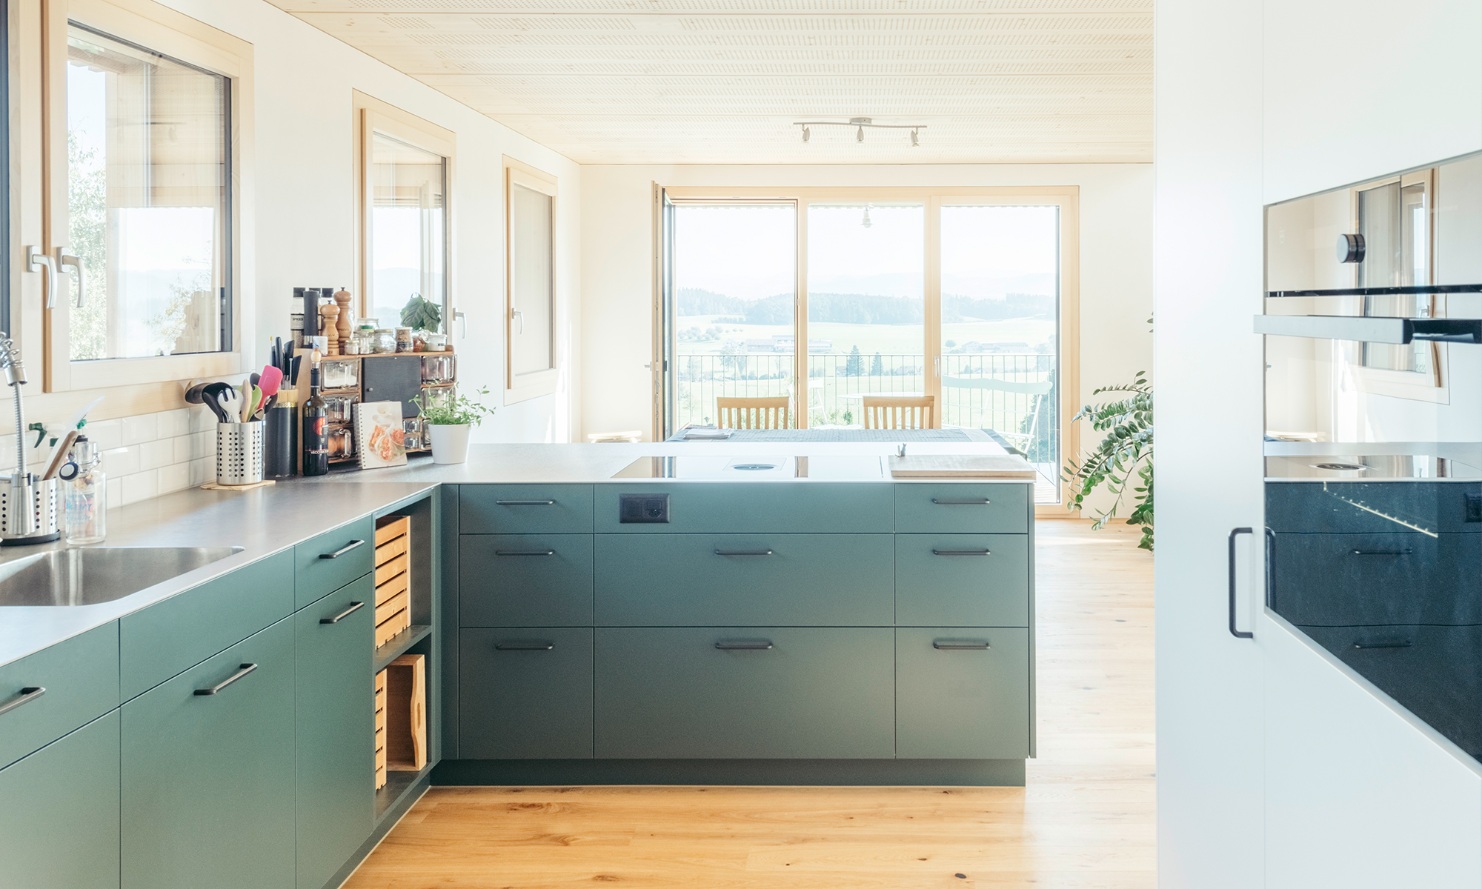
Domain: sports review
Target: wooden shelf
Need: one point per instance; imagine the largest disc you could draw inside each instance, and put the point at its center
(399, 645)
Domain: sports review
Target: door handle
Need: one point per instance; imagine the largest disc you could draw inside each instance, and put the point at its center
(1234, 631)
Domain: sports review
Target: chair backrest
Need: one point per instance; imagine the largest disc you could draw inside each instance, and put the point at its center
(752, 413)
(899, 412)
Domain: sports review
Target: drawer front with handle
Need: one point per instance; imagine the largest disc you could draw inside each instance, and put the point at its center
(527, 580)
(962, 693)
(745, 693)
(53, 691)
(178, 633)
(837, 580)
(525, 509)
(1368, 579)
(329, 561)
(962, 508)
(963, 580)
(526, 693)
(760, 508)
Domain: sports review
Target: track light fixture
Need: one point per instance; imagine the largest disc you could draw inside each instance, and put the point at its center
(860, 124)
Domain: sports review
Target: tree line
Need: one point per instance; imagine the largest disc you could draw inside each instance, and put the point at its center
(861, 308)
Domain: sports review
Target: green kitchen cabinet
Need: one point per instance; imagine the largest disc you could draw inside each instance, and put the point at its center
(48, 694)
(962, 580)
(208, 772)
(324, 563)
(526, 693)
(334, 708)
(962, 508)
(525, 580)
(59, 815)
(962, 693)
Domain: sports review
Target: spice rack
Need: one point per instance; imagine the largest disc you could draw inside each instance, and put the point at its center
(342, 385)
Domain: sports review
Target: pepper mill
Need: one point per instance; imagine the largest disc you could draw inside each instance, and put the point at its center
(342, 299)
(328, 313)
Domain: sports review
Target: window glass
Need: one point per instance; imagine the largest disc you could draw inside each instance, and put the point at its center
(5, 267)
(532, 280)
(408, 236)
(148, 201)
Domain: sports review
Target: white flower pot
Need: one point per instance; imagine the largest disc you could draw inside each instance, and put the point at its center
(449, 443)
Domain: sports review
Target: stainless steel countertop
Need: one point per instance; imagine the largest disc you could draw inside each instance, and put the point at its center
(262, 521)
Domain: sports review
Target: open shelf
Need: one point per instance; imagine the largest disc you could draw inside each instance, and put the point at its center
(398, 785)
(399, 645)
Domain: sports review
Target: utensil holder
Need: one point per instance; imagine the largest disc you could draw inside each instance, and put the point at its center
(239, 453)
(45, 510)
(280, 448)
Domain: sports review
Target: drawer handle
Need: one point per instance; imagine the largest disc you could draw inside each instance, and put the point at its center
(1383, 643)
(354, 544)
(241, 673)
(524, 646)
(743, 552)
(962, 552)
(744, 645)
(960, 644)
(970, 502)
(524, 503)
(524, 552)
(1382, 552)
(27, 695)
(354, 607)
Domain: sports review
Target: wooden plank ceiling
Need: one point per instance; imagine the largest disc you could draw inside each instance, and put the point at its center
(722, 81)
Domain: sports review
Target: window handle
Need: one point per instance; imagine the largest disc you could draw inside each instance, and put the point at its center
(65, 260)
(462, 319)
(38, 260)
(518, 315)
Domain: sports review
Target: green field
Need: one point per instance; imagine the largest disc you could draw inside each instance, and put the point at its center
(887, 339)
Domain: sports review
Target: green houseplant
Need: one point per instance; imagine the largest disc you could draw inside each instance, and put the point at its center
(450, 420)
(1122, 462)
(421, 313)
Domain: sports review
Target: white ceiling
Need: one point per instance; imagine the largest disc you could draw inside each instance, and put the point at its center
(721, 81)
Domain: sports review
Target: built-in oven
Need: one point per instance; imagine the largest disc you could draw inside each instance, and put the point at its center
(1373, 438)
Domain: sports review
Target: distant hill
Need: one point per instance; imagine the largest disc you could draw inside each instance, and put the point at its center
(862, 308)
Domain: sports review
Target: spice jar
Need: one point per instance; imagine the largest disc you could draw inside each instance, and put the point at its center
(385, 341)
(403, 339)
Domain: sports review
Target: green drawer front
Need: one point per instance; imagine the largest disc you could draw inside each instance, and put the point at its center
(208, 780)
(527, 580)
(962, 580)
(327, 562)
(669, 580)
(817, 693)
(525, 693)
(335, 712)
(80, 678)
(59, 823)
(164, 639)
(525, 509)
(956, 699)
(756, 507)
(962, 508)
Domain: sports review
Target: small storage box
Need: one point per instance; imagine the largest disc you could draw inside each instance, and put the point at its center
(406, 714)
(393, 577)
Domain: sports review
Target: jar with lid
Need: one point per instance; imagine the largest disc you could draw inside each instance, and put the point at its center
(384, 342)
(404, 339)
(84, 494)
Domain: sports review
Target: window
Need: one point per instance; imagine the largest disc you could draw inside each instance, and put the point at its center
(530, 263)
(407, 170)
(138, 112)
(828, 296)
(5, 221)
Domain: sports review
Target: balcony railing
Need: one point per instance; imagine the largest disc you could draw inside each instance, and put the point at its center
(1010, 393)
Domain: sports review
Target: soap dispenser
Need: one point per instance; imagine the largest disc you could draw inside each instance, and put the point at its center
(84, 494)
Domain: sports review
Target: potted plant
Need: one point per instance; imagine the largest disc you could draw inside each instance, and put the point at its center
(1122, 462)
(421, 313)
(450, 420)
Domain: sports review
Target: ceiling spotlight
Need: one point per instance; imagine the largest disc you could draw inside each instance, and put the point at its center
(860, 124)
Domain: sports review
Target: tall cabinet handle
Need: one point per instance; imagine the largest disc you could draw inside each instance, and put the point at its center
(1237, 633)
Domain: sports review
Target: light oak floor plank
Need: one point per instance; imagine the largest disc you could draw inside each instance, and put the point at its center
(1085, 820)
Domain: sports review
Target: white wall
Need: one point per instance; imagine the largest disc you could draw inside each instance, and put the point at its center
(617, 275)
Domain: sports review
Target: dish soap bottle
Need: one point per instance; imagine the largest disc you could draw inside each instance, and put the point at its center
(84, 494)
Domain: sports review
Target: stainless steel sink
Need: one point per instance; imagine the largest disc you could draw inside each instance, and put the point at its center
(89, 575)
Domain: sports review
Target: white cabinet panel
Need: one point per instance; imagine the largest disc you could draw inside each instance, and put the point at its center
(1359, 88)
(1356, 795)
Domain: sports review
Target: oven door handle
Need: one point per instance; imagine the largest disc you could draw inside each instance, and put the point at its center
(1234, 630)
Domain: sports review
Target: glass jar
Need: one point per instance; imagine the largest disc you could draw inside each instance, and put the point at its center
(341, 443)
(340, 374)
(404, 339)
(339, 408)
(385, 341)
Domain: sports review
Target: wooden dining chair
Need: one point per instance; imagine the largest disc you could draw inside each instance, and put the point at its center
(752, 413)
(899, 411)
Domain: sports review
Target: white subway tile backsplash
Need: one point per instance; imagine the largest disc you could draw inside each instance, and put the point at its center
(157, 453)
(175, 477)
(122, 461)
(107, 433)
(141, 486)
(202, 470)
(115, 491)
(173, 423)
(142, 428)
(202, 420)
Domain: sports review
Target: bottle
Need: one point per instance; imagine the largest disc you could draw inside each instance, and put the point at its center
(84, 494)
(315, 425)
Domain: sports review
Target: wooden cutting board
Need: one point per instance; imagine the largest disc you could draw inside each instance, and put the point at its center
(961, 466)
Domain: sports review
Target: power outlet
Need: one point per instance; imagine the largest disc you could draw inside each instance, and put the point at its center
(643, 509)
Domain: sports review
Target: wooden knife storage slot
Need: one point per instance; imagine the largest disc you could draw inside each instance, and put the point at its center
(380, 685)
(405, 721)
(393, 577)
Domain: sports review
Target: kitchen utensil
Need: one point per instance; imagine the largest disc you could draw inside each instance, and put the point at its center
(193, 394)
(272, 379)
(254, 378)
(230, 401)
(297, 362)
(59, 456)
(212, 395)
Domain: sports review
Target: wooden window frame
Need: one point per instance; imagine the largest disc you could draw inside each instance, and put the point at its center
(373, 116)
(533, 384)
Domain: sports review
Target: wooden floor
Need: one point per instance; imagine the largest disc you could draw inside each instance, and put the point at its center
(1085, 820)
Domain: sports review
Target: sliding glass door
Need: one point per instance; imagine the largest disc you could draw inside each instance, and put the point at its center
(827, 296)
